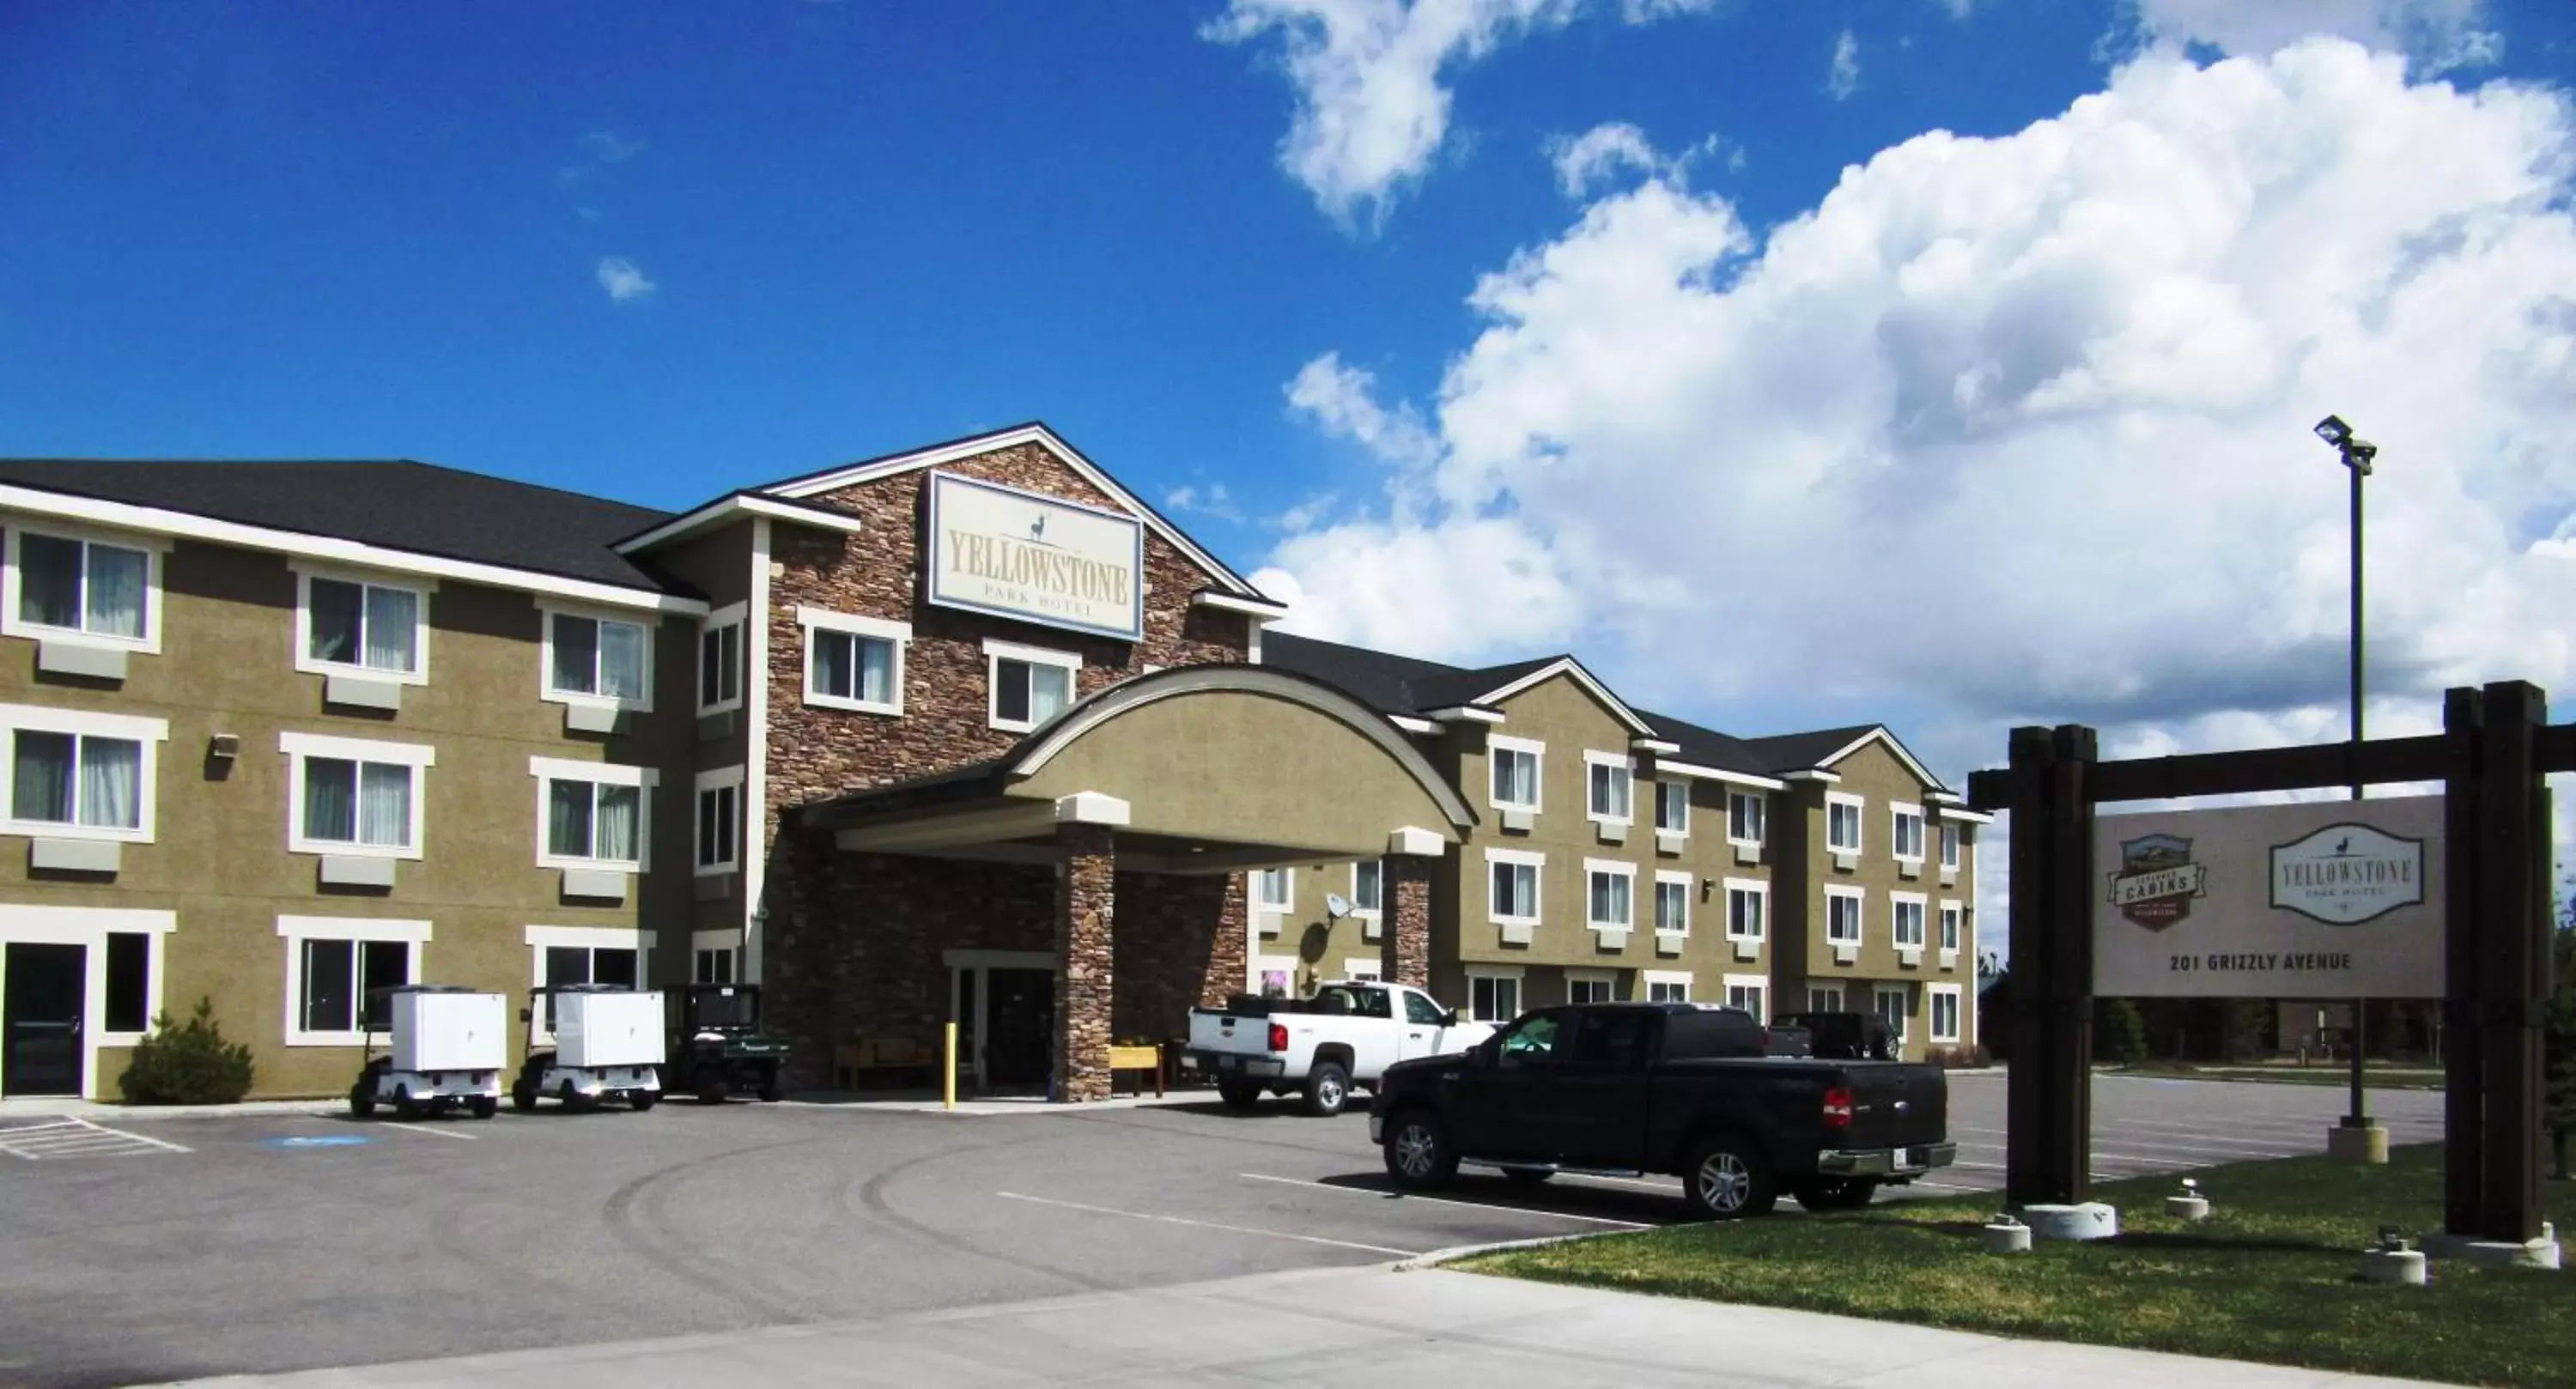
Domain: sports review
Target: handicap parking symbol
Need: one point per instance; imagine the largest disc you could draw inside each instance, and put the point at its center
(331, 1140)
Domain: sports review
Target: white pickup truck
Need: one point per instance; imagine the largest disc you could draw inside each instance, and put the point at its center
(1347, 1034)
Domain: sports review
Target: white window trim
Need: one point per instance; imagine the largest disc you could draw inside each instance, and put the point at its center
(1537, 864)
(543, 938)
(727, 939)
(995, 652)
(702, 783)
(641, 704)
(420, 590)
(1932, 1012)
(1897, 813)
(1252, 896)
(1681, 788)
(1758, 983)
(645, 779)
(895, 634)
(1758, 888)
(1830, 986)
(1616, 868)
(1860, 898)
(1952, 909)
(300, 747)
(1647, 979)
(90, 927)
(1922, 906)
(1499, 742)
(1369, 967)
(1860, 822)
(1903, 1023)
(1624, 763)
(730, 615)
(1609, 978)
(1520, 986)
(155, 548)
(1368, 913)
(1763, 812)
(1686, 882)
(1953, 850)
(295, 930)
(37, 718)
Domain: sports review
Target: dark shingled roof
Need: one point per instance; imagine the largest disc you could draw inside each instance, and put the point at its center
(1791, 752)
(399, 504)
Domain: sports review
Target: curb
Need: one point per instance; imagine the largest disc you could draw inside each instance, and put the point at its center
(137, 1113)
(1455, 1252)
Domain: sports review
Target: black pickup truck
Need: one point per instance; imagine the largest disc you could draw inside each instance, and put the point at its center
(1678, 1088)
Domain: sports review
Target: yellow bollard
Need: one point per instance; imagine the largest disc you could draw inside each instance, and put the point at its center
(948, 1067)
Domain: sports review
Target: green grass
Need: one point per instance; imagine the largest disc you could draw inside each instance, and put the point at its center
(2270, 1276)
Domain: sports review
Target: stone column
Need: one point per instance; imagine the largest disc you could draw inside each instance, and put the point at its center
(1404, 945)
(1229, 949)
(1085, 895)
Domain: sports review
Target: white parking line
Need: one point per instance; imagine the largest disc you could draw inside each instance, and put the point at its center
(69, 1138)
(427, 1132)
(1205, 1224)
(1445, 1201)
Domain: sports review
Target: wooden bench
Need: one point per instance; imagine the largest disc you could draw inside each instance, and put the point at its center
(1138, 1058)
(885, 1057)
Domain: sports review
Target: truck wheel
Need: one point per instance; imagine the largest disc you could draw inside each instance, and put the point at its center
(771, 1091)
(643, 1099)
(362, 1099)
(570, 1094)
(485, 1106)
(1727, 1179)
(523, 1096)
(1836, 1193)
(1328, 1088)
(1418, 1154)
(405, 1107)
(1526, 1176)
(711, 1089)
(1238, 1094)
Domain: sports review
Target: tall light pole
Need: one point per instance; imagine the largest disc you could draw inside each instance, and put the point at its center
(2357, 453)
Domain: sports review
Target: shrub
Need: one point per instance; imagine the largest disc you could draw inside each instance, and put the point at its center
(2119, 1033)
(192, 1064)
(1957, 1058)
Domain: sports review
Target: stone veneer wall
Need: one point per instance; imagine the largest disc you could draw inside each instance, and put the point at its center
(1180, 943)
(1085, 922)
(1404, 940)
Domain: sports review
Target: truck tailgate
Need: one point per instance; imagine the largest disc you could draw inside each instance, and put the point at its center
(1215, 1029)
(1897, 1104)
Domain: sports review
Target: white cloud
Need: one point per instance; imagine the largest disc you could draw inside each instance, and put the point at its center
(1588, 158)
(2016, 429)
(1842, 78)
(1959, 9)
(1372, 106)
(1211, 499)
(623, 281)
(2440, 34)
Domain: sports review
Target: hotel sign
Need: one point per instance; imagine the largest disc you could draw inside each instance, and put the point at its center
(2320, 899)
(999, 550)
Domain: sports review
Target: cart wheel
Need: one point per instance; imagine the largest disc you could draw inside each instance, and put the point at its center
(711, 1090)
(405, 1107)
(770, 1090)
(362, 1099)
(485, 1106)
(643, 1099)
(523, 1097)
(570, 1095)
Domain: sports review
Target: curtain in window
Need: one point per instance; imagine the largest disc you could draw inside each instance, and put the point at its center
(618, 824)
(111, 783)
(49, 581)
(1365, 886)
(329, 977)
(876, 670)
(568, 821)
(576, 655)
(832, 663)
(1049, 691)
(116, 583)
(384, 805)
(393, 621)
(40, 788)
(334, 611)
(621, 660)
(331, 799)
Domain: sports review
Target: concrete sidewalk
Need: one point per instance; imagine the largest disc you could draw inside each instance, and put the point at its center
(1341, 1327)
(50, 1108)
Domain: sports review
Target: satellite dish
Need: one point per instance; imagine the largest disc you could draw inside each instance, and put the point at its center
(1334, 907)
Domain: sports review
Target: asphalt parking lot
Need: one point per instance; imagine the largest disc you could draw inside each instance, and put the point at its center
(267, 1243)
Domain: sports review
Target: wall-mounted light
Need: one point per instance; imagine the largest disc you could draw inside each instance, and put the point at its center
(224, 746)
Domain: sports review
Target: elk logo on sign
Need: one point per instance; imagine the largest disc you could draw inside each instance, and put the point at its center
(2157, 880)
(2347, 874)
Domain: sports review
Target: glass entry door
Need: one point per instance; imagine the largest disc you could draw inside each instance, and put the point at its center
(41, 1036)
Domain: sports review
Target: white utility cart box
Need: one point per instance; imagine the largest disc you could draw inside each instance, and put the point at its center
(609, 1029)
(450, 1032)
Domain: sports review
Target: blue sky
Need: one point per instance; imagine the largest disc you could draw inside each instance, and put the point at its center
(657, 251)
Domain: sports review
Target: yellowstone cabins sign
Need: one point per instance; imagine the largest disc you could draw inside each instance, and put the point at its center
(2320, 899)
(1016, 554)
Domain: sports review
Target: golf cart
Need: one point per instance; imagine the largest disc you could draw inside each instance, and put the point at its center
(718, 1046)
(449, 1044)
(608, 1042)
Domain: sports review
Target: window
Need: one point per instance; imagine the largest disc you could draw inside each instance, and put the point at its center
(1950, 846)
(1672, 807)
(1422, 1012)
(129, 981)
(1750, 992)
(1274, 889)
(1533, 1038)
(1366, 967)
(591, 814)
(567, 955)
(1368, 887)
(1516, 772)
(1907, 919)
(715, 957)
(354, 795)
(1824, 998)
(1842, 916)
(355, 625)
(1514, 891)
(1667, 986)
(1945, 1012)
(1842, 822)
(1494, 997)
(1951, 915)
(1611, 1040)
(1609, 890)
(1909, 833)
(1589, 987)
(1672, 904)
(94, 590)
(1612, 780)
(334, 968)
(65, 779)
(1030, 685)
(1891, 1006)
(854, 662)
(1743, 818)
(1748, 909)
(598, 658)
(720, 661)
(719, 821)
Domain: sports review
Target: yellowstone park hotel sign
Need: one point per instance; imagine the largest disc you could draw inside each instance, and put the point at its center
(999, 550)
(2321, 899)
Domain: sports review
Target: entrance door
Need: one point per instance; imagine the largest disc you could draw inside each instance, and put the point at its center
(1019, 1026)
(40, 1020)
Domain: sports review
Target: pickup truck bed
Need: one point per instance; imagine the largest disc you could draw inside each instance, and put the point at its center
(1347, 1034)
